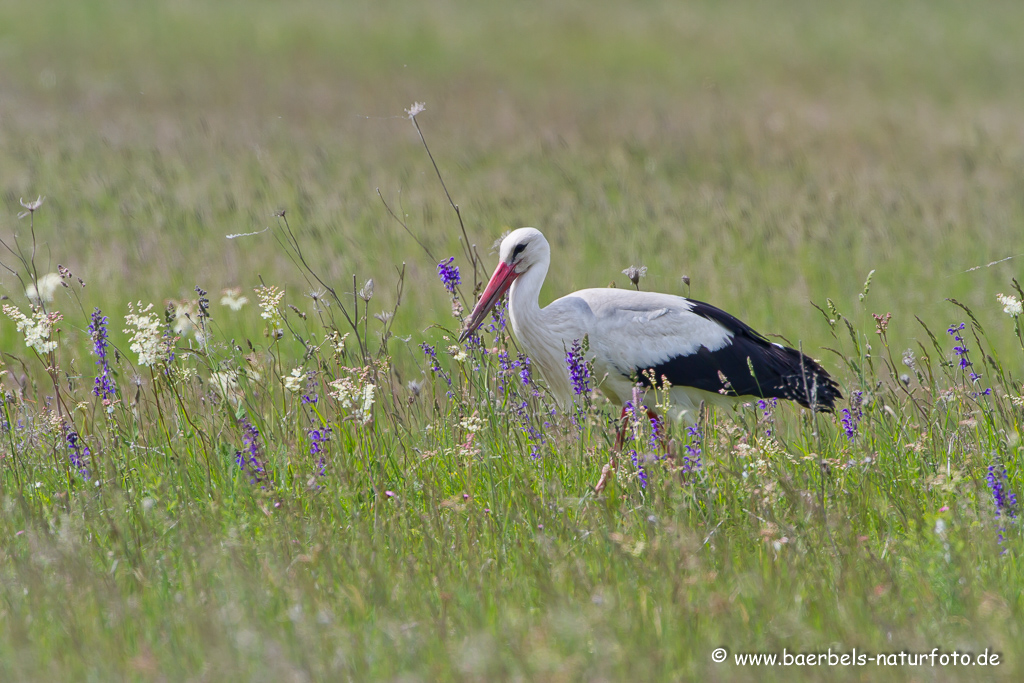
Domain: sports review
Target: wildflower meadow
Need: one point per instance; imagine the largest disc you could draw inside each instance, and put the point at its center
(239, 436)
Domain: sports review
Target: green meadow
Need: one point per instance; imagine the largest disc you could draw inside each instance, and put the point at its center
(322, 485)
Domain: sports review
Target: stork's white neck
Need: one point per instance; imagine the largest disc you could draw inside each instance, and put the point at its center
(540, 338)
(524, 297)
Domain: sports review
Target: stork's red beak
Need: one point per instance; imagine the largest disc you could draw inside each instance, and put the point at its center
(504, 276)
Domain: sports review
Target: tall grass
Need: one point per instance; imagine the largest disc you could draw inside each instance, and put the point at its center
(334, 501)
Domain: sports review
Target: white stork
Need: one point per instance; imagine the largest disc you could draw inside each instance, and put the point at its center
(702, 353)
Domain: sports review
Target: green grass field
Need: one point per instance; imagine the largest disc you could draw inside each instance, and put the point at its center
(211, 522)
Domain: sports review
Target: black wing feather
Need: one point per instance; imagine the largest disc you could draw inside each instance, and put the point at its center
(779, 371)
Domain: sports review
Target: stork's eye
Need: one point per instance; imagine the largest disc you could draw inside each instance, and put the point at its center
(518, 250)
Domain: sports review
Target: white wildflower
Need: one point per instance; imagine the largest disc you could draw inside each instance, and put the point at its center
(366, 292)
(317, 295)
(37, 329)
(1011, 304)
(147, 336)
(270, 301)
(354, 399)
(44, 290)
(338, 342)
(472, 424)
(293, 382)
(31, 206)
(344, 391)
(458, 353)
(232, 298)
(368, 392)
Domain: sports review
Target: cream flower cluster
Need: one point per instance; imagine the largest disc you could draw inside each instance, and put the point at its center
(357, 400)
(1011, 304)
(147, 335)
(37, 329)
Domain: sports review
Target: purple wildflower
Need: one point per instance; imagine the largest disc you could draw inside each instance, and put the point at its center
(961, 349)
(449, 275)
(691, 461)
(317, 439)
(249, 459)
(767, 407)
(633, 411)
(849, 425)
(78, 453)
(641, 474)
(431, 353)
(505, 364)
(522, 413)
(203, 302)
(310, 397)
(964, 362)
(475, 348)
(524, 369)
(1005, 500)
(853, 415)
(104, 385)
(579, 373)
(655, 433)
(499, 316)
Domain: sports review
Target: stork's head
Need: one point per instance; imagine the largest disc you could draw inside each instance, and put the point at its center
(523, 248)
(520, 250)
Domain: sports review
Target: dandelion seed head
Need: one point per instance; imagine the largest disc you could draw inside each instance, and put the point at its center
(31, 206)
(634, 273)
(416, 109)
(233, 298)
(44, 290)
(184, 313)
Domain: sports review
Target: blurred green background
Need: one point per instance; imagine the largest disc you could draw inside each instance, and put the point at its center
(775, 152)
